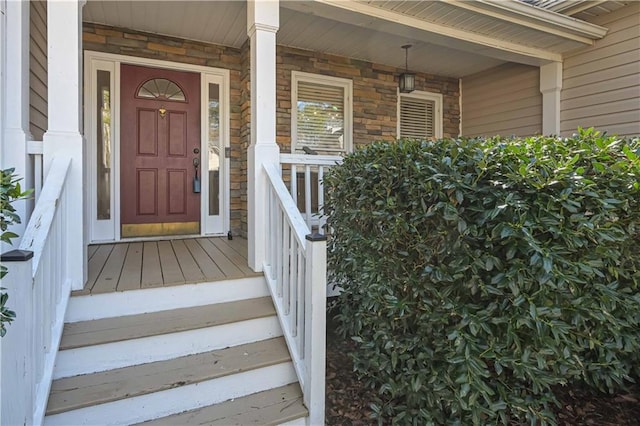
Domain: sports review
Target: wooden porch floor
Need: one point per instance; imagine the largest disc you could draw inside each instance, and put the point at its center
(139, 265)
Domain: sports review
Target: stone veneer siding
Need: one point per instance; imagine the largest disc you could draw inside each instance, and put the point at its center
(133, 43)
(374, 92)
(375, 95)
(245, 130)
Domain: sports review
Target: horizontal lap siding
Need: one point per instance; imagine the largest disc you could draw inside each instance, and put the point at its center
(504, 100)
(601, 85)
(38, 69)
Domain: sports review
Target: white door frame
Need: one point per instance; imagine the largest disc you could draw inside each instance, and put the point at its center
(109, 230)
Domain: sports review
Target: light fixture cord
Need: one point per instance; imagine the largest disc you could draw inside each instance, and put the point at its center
(406, 59)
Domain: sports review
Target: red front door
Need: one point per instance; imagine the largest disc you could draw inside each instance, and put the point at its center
(159, 142)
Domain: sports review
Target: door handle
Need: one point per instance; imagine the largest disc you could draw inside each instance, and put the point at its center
(196, 179)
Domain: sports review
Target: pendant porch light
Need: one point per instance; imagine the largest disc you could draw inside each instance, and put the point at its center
(407, 79)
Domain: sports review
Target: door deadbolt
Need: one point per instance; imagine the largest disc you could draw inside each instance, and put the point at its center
(196, 150)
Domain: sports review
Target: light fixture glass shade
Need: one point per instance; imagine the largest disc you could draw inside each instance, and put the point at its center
(407, 82)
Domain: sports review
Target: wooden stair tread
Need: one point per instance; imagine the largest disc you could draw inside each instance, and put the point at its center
(107, 330)
(98, 388)
(271, 407)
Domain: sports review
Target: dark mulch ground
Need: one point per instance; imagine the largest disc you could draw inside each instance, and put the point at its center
(347, 400)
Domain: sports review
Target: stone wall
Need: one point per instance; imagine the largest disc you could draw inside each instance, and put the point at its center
(374, 92)
(245, 131)
(133, 43)
(375, 98)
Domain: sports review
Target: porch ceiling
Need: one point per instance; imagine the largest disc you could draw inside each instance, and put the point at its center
(448, 39)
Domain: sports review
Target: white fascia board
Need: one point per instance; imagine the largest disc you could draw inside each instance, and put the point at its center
(556, 23)
(400, 19)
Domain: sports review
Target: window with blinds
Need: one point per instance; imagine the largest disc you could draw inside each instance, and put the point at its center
(321, 120)
(419, 116)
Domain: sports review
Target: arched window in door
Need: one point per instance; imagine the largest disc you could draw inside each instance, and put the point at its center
(161, 89)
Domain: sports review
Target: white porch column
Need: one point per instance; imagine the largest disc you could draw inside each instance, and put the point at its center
(63, 138)
(15, 102)
(550, 86)
(262, 25)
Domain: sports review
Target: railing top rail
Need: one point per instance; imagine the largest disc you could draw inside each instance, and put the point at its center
(39, 225)
(315, 160)
(290, 208)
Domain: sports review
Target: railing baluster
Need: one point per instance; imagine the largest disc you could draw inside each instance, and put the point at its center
(279, 251)
(37, 175)
(307, 195)
(300, 316)
(273, 212)
(322, 218)
(38, 324)
(35, 149)
(293, 282)
(286, 264)
(294, 184)
(48, 308)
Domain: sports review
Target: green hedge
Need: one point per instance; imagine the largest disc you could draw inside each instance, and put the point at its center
(10, 192)
(477, 274)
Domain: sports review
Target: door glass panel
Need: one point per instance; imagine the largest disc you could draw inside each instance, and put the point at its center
(214, 149)
(103, 139)
(161, 88)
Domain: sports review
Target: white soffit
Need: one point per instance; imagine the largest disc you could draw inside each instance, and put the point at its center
(449, 39)
(417, 23)
(314, 33)
(219, 22)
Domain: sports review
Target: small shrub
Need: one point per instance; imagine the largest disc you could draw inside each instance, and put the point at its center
(10, 191)
(478, 274)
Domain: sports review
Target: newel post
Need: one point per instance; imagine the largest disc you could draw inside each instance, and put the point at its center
(16, 347)
(263, 20)
(315, 327)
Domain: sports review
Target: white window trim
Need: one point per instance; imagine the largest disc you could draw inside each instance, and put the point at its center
(429, 96)
(344, 83)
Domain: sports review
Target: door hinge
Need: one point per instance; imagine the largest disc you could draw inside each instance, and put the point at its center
(227, 152)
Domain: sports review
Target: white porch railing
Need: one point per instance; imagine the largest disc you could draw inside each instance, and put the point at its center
(39, 288)
(306, 182)
(295, 270)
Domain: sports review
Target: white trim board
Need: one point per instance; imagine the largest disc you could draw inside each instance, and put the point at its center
(109, 230)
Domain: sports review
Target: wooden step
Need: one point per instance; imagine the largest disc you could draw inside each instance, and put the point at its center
(92, 389)
(168, 402)
(136, 302)
(272, 407)
(107, 330)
